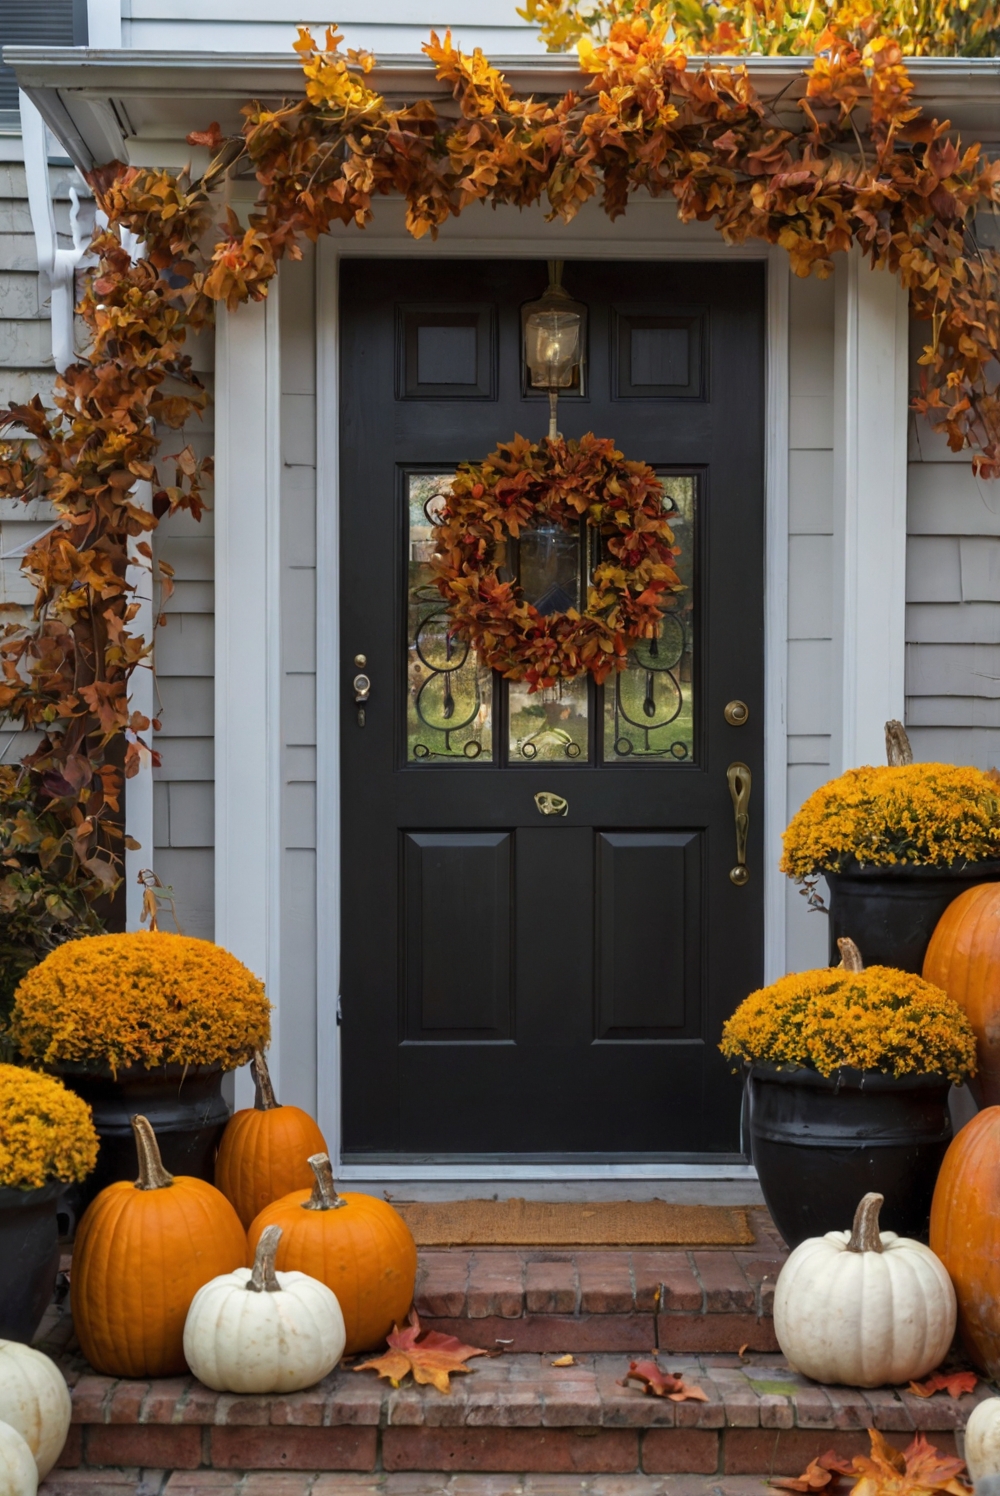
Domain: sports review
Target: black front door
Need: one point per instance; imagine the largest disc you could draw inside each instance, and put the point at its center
(516, 983)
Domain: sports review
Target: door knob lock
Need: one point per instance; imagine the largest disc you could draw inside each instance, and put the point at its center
(736, 713)
(362, 689)
(740, 782)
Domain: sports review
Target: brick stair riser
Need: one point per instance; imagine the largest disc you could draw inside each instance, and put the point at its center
(652, 1451)
(632, 1333)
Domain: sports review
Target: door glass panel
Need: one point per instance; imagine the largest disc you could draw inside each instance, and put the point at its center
(549, 724)
(449, 695)
(548, 568)
(648, 707)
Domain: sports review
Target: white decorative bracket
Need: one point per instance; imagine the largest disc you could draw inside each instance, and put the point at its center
(59, 264)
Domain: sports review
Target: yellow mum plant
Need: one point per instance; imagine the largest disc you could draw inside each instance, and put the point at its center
(922, 815)
(147, 998)
(45, 1131)
(876, 1019)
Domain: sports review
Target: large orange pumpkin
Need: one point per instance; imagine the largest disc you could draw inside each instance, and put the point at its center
(965, 1233)
(265, 1150)
(355, 1244)
(964, 958)
(142, 1252)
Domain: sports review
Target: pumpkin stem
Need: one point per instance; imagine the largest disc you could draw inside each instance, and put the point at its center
(152, 1174)
(264, 1279)
(324, 1195)
(865, 1236)
(850, 956)
(897, 745)
(264, 1098)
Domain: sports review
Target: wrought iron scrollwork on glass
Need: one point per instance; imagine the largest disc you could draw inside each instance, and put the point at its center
(449, 693)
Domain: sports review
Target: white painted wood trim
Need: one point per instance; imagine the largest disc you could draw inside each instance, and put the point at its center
(104, 24)
(330, 250)
(775, 611)
(248, 778)
(141, 698)
(328, 693)
(871, 397)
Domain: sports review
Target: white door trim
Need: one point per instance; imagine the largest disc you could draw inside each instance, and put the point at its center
(248, 718)
(650, 236)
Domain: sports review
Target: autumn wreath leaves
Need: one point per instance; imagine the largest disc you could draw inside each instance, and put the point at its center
(523, 484)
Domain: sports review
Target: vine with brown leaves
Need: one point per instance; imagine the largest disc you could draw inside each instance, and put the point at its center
(844, 159)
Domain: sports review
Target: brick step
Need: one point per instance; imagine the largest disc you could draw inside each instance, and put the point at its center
(534, 1299)
(133, 1482)
(514, 1413)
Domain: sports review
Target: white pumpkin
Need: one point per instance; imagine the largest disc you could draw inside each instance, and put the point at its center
(34, 1399)
(263, 1331)
(982, 1439)
(861, 1308)
(18, 1471)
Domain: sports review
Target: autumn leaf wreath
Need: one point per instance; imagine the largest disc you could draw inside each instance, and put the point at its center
(521, 485)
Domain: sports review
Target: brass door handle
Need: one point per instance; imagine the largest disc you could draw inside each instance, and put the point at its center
(740, 783)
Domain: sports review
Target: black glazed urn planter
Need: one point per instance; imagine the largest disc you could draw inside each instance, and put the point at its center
(29, 1257)
(819, 1143)
(184, 1105)
(890, 912)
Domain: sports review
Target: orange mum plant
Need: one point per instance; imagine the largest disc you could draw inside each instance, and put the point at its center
(140, 999)
(842, 158)
(923, 815)
(876, 1019)
(46, 1131)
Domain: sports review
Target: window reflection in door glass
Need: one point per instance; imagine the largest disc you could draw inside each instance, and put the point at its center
(449, 695)
(648, 707)
(549, 724)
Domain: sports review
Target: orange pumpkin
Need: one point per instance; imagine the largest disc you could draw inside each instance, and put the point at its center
(965, 1233)
(964, 958)
(355, 1244)
(265, 1150)
(142, 1252)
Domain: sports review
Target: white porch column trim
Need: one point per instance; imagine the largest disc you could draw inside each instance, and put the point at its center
(104, 23)
(870, 414)
(248, 650)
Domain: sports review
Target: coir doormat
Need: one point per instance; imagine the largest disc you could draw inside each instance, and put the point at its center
(539, 1223)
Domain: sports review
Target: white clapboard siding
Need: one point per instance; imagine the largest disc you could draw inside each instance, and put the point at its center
(385, 26)
(809, 703)
(953, 600)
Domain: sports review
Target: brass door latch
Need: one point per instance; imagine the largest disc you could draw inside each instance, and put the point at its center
(740, 783)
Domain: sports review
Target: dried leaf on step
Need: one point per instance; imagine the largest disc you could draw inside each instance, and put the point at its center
(661, 1383)
(919, 1470)
(955, 1383)
(817, 1475)
(429, 1355)
(742, 1350)
(564, 1361)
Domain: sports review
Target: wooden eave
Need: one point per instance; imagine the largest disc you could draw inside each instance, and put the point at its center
(134, 105)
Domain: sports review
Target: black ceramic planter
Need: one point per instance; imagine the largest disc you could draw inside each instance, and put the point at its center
(820, 1143)
(890, 912)
(184, 1105)
(29, 1257)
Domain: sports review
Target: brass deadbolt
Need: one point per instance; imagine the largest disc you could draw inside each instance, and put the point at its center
(361, 661)
(736, 713)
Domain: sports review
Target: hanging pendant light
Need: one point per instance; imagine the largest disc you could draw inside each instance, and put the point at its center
(553, 341)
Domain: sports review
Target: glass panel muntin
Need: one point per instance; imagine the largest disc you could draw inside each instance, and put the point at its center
(455, 706)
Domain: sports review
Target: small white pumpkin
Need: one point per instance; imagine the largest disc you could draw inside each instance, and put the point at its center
(263, 1331)
(982, 1439)
(861, 1308)
(18, 1471)
(34, 1399)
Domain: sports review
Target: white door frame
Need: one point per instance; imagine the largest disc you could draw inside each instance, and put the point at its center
(651, 233)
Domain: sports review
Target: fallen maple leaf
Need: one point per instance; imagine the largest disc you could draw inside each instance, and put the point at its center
(919, 1470)
(431, 1356)
(564, 1361)
(818, 1474)
(955, 1384)
(662, 1383)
